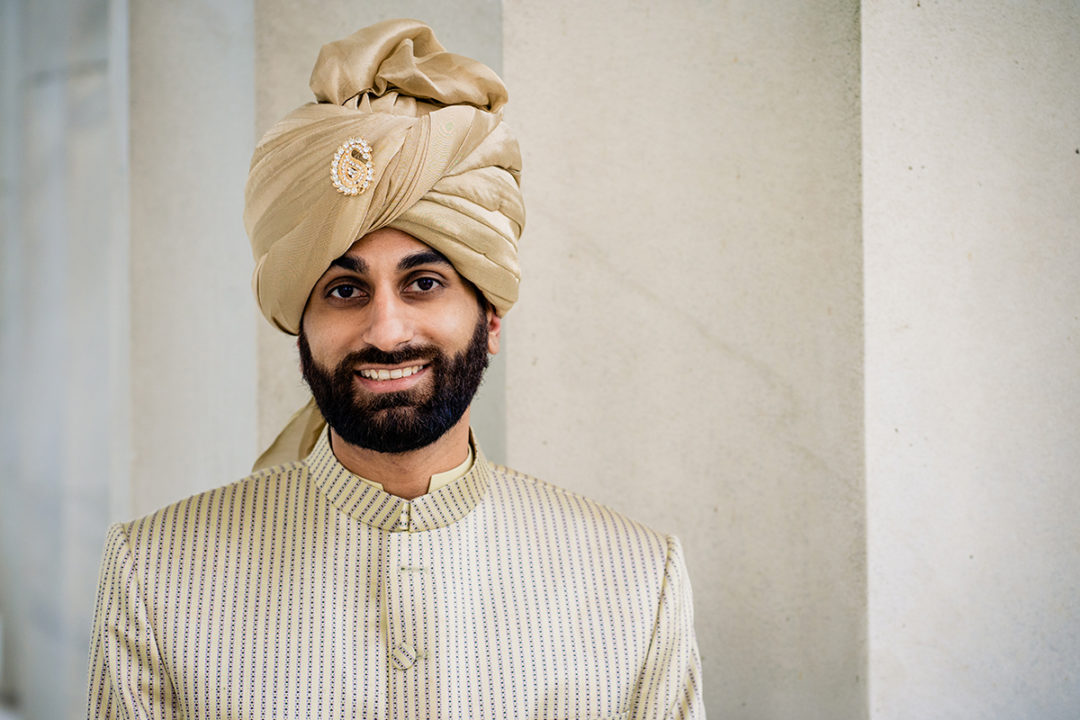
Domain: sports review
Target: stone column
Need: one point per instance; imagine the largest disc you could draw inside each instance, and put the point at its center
(972, 179)
(688, 345)
(192, 333)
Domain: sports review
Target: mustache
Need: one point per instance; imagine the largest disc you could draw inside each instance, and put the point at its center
(375, 356)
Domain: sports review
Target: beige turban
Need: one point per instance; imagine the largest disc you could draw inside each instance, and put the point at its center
(404, 135)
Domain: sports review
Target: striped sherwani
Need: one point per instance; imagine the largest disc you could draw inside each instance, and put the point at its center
(301, 592)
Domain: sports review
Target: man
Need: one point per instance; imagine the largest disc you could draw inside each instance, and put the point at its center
(378, 566)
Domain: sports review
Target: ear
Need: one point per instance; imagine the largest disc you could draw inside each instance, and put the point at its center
(494, 327)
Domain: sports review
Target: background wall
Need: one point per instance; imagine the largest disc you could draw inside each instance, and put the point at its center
(688, 347)
(691, 341)
(972, 244)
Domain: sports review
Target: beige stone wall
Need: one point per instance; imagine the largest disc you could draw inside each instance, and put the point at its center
(688, 345)
(972, 180)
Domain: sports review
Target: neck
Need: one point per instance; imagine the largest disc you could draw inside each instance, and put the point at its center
(406, 474)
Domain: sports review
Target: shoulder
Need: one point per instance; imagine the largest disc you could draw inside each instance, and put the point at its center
(215, 510)
(538, 503)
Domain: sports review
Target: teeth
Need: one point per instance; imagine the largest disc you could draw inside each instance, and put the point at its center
(394, 374)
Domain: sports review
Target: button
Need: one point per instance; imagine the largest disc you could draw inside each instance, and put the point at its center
(402, 523)
(404, 657)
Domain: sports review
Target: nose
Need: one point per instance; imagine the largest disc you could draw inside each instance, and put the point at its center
(389, 325)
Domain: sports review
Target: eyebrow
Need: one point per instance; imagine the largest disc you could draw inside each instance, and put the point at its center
(348, 262)
(423, 257)
(416, 259)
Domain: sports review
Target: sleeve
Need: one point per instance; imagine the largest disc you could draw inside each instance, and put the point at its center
(669, 687)
(127, 677)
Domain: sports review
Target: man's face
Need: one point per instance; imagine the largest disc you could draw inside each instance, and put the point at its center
(394, 343)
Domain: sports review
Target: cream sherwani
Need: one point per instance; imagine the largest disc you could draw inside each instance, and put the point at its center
(301, 592)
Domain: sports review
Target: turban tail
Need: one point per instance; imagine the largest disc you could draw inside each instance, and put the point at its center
(444, 168)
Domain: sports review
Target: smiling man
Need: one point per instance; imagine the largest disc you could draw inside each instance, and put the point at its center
(399, 405)
(376, 565)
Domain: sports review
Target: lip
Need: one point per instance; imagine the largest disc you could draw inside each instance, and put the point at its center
(393, 384)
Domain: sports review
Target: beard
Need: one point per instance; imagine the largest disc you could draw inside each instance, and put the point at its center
(397, 422)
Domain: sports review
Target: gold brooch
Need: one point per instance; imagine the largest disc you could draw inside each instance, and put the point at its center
(351, 170)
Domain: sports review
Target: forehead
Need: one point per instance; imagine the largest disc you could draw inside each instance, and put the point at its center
(390, 244)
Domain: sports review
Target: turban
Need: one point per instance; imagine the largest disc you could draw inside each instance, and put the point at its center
(404, 135)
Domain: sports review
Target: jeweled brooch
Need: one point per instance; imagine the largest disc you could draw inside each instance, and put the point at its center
(351, 170)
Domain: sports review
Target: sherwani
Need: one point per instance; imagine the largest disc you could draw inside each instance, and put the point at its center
(302, 592)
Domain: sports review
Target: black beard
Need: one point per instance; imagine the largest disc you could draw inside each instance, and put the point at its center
(397, 422)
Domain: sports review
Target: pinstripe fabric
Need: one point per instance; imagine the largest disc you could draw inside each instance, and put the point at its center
(301, 592)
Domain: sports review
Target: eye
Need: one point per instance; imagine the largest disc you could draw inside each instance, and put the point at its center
(344, 291)
(424, 284)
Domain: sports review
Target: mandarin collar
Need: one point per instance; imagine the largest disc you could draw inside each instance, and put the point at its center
(379, 509)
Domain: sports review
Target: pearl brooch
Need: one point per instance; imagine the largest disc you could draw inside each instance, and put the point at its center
(351, 170)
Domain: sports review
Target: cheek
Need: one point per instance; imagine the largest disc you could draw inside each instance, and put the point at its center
(329, 342)
(454, 331)
(448, 324)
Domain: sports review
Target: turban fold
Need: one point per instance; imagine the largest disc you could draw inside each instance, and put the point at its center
(402, 134)
(440, 165)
